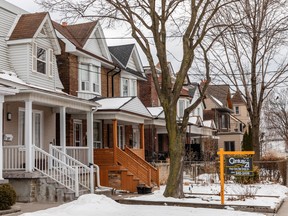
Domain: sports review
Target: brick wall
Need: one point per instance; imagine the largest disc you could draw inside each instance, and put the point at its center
(68, 71)
(147, 93)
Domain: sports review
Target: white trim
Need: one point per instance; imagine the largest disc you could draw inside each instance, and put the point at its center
(19, 41)
(80, 123)
(13, 26)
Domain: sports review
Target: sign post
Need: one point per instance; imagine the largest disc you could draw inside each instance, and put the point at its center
(238, 166)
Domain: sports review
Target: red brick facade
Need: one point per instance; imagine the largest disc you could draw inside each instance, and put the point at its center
(148, 94)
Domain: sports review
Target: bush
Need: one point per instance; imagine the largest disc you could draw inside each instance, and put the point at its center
(249, 179)
(7, 196)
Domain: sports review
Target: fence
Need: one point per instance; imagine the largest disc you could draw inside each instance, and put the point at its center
(208, 171)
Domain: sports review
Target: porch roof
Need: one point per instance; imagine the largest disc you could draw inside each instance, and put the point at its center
(42, 96)
(129, 109)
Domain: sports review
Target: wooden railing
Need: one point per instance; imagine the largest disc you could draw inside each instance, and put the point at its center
(154, 171)
(133, 166)
(103, 157)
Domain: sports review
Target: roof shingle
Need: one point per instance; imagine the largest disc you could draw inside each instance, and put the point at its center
(27, 25)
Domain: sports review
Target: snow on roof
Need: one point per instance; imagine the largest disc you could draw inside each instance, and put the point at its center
(209, 123)
(155, 111)
(11, 76)
(193, 120)
(217, 101)
(112, 103)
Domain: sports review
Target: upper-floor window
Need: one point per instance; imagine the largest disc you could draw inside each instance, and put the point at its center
(129, 87)
(42, 60)
(181, 108)
(237, 110)
(229, 146)
(224, 121)
(89, 77)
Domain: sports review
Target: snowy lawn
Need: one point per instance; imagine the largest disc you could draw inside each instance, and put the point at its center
(92, 204)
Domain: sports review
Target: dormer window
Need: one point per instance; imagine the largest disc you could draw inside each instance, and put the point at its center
(42, 60)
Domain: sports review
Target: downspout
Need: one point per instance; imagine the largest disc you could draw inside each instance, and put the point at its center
(108, 79)
(113, 81)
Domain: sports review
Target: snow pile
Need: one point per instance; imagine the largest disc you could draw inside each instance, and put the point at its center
(91, 205)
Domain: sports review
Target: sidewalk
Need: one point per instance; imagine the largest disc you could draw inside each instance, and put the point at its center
(283, 211)
(31, 207)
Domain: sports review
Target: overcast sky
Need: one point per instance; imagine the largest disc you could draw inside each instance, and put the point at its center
(31, 6)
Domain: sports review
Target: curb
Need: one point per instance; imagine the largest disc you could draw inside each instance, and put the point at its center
(260, 209)
(10, 211)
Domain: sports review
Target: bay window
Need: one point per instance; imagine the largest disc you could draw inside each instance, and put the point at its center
(129, 87)
(89, 78)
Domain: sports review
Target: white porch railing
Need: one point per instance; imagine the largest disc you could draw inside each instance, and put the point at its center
(80, 153)
(60, 172)
(85, 174)
(14, 157)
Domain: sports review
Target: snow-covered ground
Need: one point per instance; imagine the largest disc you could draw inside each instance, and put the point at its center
(268, 195)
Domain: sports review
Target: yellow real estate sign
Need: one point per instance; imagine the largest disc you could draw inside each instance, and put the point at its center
(235, 166)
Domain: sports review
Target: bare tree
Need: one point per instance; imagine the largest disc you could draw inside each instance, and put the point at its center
(152, 24)
(276, 115)
(252, 54)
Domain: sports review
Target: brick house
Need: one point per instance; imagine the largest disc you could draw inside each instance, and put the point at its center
(155, 130)
(219, 107)
(109, 76)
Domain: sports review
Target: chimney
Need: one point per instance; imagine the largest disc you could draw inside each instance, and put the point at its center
(64, 24)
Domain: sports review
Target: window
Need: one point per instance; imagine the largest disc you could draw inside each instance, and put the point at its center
(89, 76)
(97, 134)
(77, 133)
(181, 108)
(237, 111)
(224, 121)
(37, 124)
(125, 87)
(42, 60)
(136, 138)
(229, 146)
(121, 138)
(129, 87)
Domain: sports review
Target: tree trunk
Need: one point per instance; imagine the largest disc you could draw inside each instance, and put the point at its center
(255, 140)
(174, 186)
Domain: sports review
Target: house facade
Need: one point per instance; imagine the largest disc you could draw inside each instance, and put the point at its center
(108, 76)
(157, 139)
(29, 68)
(219, 107)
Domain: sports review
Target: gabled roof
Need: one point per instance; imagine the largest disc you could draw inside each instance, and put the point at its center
(221, 93)
(126, 104)
(78, 34)
(237, 98)
(122, 54)
(27, 26)
(156, 112)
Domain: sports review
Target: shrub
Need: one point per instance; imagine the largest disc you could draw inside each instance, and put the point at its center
(7, 196)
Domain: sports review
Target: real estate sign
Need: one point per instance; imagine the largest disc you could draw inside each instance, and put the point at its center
(239, 166)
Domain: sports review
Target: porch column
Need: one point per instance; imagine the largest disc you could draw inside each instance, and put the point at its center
(63, 128)
(90, 136)
(115, 138)
(28, 136)
(142, 144)
(1, 135)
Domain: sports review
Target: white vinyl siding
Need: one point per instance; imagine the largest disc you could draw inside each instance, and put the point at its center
(6, 21)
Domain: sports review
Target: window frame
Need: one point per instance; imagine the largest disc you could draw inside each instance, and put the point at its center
(230, 144)
(93, 82)
(21, 127)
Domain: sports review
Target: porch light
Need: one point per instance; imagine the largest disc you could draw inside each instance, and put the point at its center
(9, 116)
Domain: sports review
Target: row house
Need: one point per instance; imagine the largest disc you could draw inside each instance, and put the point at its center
(69, 101)
(230, 125)
(29, 67)
(198, 131)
